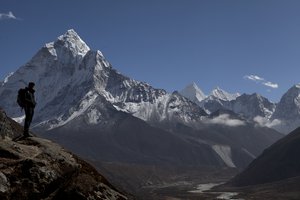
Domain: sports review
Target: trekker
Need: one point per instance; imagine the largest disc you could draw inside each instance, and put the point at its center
(29, 107)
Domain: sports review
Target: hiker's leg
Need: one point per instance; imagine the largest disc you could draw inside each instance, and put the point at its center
(28, 119)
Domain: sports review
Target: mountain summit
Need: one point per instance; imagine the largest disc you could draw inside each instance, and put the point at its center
(288, 110)
(193, 92)
(68, 46)
(223, 95)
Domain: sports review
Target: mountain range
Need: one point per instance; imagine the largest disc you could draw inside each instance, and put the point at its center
(68, 63)
(85, 104)
(282, 116)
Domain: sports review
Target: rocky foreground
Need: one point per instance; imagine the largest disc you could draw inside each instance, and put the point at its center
(36, 168)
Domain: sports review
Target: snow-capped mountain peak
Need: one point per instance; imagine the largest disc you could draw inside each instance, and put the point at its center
(288, 108)
(193, 92)
(55, 68)
(223, 95)
(67, 47)
(72, 40)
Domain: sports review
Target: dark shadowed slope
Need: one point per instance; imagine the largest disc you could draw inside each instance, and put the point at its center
(278, 162)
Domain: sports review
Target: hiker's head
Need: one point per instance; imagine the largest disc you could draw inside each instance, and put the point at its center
(31, 85)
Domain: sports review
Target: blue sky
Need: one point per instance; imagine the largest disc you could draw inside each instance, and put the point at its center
(239, 45)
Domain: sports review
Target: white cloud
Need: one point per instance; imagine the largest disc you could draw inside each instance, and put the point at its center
(254, 78)
(271, 85)
(261, 121)
(8, 15)
(262, 81)
(225, 119)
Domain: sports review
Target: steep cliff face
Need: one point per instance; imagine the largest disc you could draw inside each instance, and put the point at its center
(36, 168)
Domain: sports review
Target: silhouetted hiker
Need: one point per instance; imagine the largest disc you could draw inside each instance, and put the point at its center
(29, 106)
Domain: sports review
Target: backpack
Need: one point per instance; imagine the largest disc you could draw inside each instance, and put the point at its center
(21, 97)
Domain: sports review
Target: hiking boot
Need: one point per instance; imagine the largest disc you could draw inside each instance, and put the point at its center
(26, 134)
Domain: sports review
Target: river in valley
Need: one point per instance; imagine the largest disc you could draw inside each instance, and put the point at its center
(204, 189)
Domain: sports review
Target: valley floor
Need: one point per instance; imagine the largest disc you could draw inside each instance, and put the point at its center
(274, 191)
(146, 182)
(287, 189)
(184, 192)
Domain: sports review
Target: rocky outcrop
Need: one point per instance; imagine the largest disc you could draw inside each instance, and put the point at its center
(8, 127)
(36, 168)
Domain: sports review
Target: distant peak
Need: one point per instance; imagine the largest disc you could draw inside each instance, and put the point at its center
(297, 85)
(218, 89)
(194, 85)
(223, 95)
(293, 92)
(193, 92)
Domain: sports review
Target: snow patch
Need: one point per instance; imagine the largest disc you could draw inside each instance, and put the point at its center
(7, 77)
(87, 101)
(94, 116)
(51, 49)
(224, 152)
(20, 119)
(147, 110)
